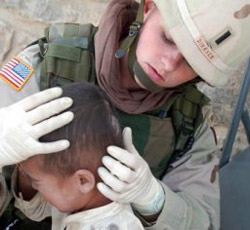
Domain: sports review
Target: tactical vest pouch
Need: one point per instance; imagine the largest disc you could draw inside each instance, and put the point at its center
(68, 54)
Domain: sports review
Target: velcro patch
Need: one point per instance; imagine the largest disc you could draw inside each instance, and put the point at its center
(16, 73)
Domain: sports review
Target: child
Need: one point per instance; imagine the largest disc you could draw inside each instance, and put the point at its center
(66, 180)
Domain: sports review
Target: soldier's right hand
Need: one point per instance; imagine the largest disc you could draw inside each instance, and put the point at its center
(23, 123)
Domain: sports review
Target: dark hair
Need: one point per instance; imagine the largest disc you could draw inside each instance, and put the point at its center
(94, 127)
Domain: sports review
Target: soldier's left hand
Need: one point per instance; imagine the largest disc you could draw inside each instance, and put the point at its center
(127, 176)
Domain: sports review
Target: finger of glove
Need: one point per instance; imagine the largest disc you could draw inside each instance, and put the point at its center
(39, 98)
(123, 156)
(51, 124)
(111, 180)
(51, 147)
(128, 140)
(47, 110)
(123, 172)
(108, 192)
(24, 147)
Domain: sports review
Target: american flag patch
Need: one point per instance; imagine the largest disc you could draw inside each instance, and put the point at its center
(16, 73)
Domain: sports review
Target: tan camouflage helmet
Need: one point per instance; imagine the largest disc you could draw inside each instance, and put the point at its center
(213, 35)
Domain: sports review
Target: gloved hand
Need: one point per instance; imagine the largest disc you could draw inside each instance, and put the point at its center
(23, 123)
(129, 179)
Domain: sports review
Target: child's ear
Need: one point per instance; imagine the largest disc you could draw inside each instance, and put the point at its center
(148, 5)
(85, 180)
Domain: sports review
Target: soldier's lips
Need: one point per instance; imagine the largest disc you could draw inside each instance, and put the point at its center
(153, 74)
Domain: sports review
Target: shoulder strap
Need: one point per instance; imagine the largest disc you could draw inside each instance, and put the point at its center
(186, 112)
(187, 116)
(68, 54)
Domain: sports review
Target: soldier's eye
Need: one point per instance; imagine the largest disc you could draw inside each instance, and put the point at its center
(167, 39)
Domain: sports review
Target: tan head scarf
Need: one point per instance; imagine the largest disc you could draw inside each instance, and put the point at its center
(113, 27)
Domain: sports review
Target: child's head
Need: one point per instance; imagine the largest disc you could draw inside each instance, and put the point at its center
(67, 179)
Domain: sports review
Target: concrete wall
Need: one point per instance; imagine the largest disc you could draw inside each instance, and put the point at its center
(23, 21)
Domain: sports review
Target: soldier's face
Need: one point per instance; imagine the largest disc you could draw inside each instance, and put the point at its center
(60, 192)
(158, 55)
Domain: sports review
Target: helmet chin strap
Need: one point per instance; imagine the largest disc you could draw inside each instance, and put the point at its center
(130, 43)
(144, 79)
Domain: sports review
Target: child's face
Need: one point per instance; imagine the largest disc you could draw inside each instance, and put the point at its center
(159, 56)
(60, 192)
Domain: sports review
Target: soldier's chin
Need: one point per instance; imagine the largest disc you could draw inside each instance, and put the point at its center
(139, 83)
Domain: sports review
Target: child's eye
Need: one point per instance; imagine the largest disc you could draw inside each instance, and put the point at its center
(34, 185)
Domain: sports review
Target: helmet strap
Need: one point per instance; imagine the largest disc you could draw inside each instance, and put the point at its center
(133, 32)
(130, 43)
(144, 79)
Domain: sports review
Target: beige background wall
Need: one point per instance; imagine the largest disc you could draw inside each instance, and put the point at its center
(23, 21)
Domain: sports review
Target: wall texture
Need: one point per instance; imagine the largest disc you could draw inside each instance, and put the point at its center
(22, 22)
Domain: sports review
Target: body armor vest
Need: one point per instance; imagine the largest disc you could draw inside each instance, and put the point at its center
(160, 136)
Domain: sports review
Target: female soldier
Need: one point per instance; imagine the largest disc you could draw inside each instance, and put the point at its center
(144, 76)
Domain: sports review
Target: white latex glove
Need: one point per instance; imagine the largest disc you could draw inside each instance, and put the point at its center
(129, 178)
(23, 123)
